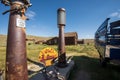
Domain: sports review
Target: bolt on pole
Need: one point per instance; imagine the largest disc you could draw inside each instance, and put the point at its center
(61, 20)
(16, 61)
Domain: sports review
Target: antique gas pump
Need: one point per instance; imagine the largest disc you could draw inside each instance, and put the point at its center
(61, 20)
(16, 61)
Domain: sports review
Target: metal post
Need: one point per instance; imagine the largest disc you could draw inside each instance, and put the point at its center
(61, 44)
(16, 61)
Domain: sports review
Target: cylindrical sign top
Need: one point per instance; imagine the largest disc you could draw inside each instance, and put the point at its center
(61, 16)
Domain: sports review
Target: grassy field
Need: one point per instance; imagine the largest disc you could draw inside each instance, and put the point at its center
(87, 66)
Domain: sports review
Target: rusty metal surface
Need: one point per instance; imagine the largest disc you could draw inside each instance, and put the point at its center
(61, 45)
(61, 48)
(16, 62)
(61, 19)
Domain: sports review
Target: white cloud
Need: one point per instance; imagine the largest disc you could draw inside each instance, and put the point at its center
(30, 14)
(115, 14)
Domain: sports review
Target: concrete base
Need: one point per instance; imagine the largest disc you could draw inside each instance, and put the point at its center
(64, 72)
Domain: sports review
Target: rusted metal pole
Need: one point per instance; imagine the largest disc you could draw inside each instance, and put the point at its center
(16, 61)
(61, 44)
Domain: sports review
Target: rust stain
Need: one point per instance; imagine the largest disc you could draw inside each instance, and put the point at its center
(16, 62)
(19, 70)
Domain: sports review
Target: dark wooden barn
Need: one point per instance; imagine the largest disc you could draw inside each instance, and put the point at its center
(52, 41)
(71, 38)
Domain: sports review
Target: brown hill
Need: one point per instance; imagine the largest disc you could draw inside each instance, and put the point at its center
(3, 39)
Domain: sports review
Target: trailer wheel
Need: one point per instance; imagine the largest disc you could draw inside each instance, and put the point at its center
(103, 62)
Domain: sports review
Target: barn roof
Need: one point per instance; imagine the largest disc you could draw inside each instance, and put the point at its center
(71, 34)
(52, 38)
(68, 34)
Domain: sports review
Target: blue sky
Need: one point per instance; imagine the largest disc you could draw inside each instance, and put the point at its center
(82, 16)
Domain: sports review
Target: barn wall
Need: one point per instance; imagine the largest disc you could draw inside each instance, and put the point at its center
(69, 41)
(53, 41)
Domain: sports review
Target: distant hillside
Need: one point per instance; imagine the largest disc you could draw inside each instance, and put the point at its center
(3, 38)
(37, 38)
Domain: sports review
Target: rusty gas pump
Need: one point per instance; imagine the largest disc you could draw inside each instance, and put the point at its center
(16, 61)
(61, 21)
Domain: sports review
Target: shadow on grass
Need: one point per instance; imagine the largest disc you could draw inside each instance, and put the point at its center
(94, 69)
(34, 75)
(34, 62)
(86, 64)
